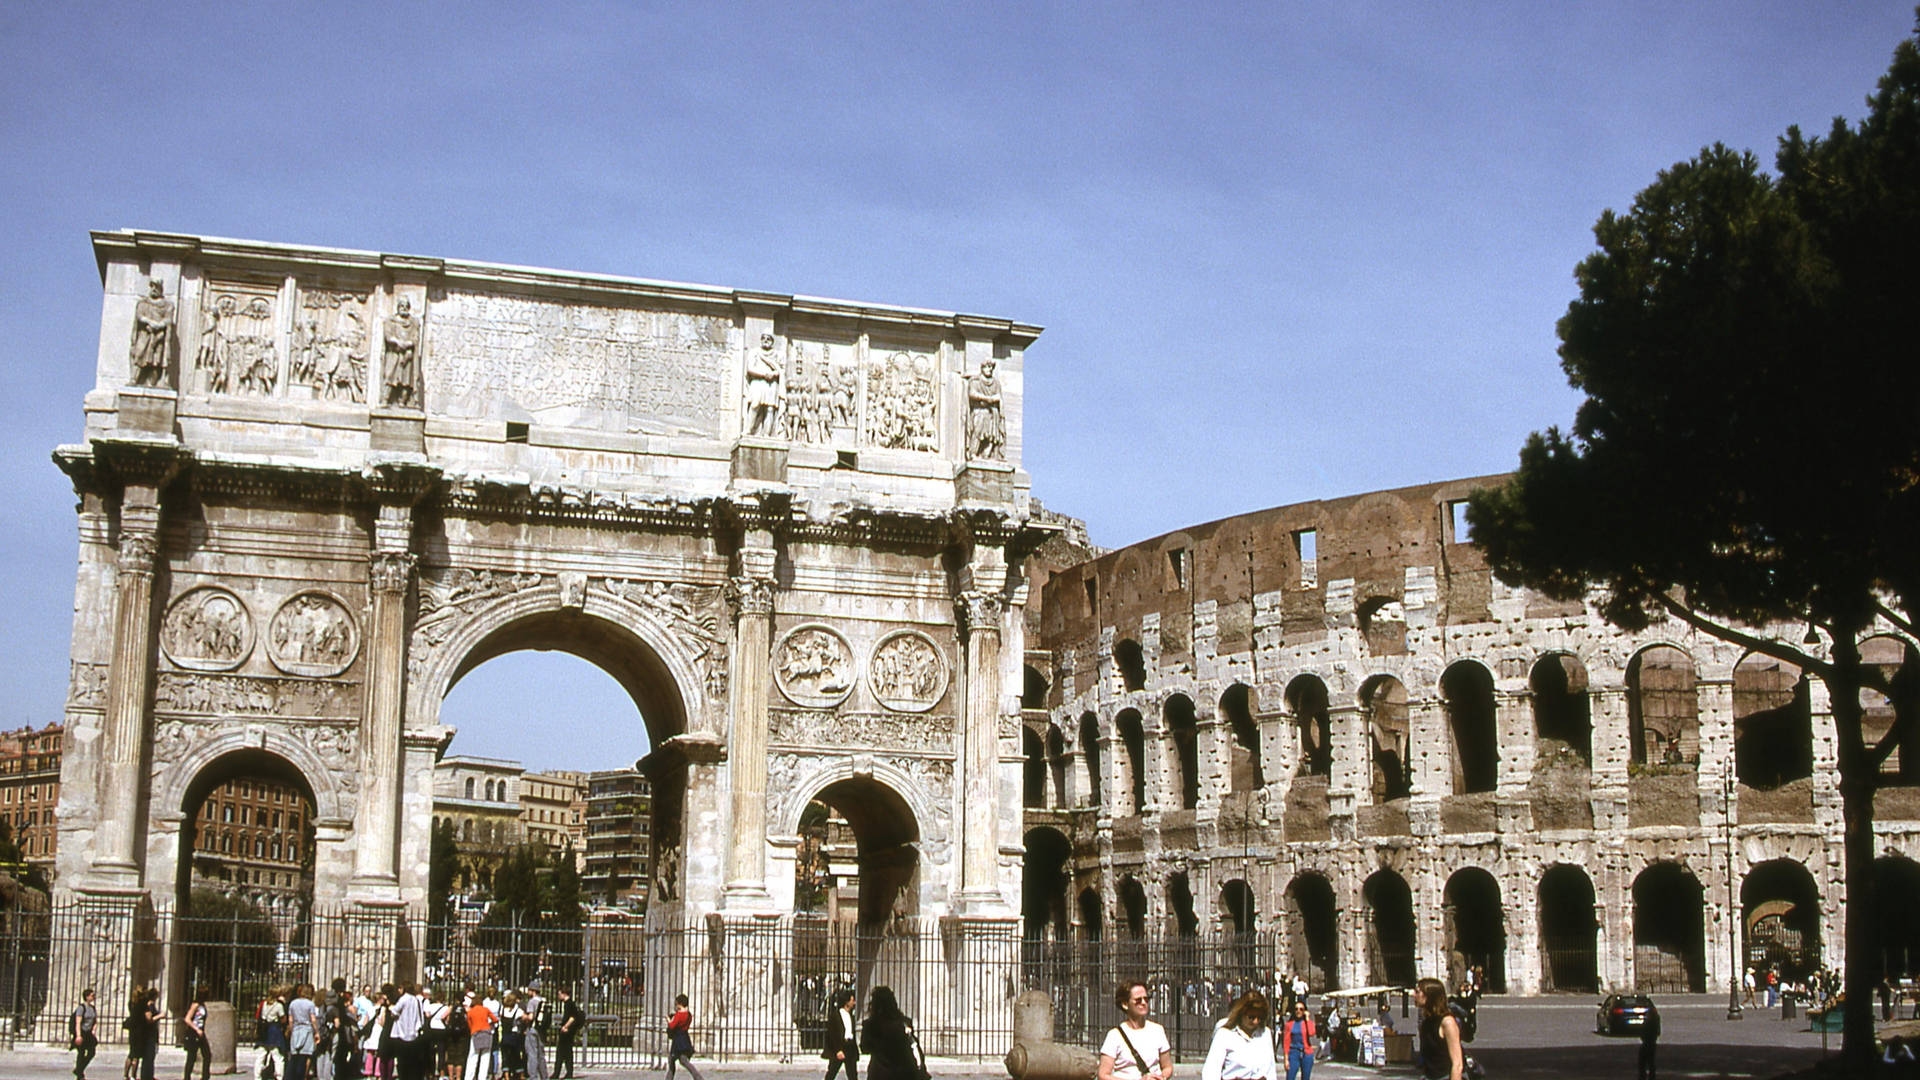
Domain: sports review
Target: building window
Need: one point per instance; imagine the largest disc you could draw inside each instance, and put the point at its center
(469, 787)
(1457, 521)
(226, 815)
(1306, 546)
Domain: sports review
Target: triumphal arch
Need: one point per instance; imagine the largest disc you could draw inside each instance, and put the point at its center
(318, 486)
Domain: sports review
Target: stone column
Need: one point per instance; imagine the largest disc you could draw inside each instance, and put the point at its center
(390, 574)
(122, 755)
(980, 611)
(746, 884)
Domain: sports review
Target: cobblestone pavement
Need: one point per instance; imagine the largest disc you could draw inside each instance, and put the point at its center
(1518, 1039)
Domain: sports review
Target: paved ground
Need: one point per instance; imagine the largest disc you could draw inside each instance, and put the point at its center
(1518, 1039)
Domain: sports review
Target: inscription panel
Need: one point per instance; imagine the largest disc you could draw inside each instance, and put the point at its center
(652, 372)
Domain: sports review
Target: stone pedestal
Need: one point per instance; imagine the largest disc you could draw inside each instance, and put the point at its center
(398, 431)
(220, 1037)
(146, 410)
(759, 459)
(984, 482)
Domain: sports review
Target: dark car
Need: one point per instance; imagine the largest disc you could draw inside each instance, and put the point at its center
(1624, 1014)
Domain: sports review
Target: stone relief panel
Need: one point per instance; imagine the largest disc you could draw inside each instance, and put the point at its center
(329, 354)
(207, 628)
(813, 666)
(692, 612)
(903, 394)
(907, 672)
(86, 685)
(788, 773)
(655, 372)
(246, 695)
(175, 740)
(826, 727)
(312, 634)
(447, 596)
(238, 352)
(821, 404)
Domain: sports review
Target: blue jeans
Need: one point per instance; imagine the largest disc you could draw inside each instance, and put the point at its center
(1299, 1061)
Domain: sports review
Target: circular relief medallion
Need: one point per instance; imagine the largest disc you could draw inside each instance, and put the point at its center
(908, 672)
(207, 629)
(814, 666)
(312, 634)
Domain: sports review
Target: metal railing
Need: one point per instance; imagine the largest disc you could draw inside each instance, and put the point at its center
(758, 988)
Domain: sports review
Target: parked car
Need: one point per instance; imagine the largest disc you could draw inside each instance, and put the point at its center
(1624, 1014)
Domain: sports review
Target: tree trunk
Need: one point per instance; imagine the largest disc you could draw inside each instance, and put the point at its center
(1857, 782)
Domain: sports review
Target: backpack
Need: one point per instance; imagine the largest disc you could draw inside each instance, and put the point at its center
(456, 1022)
(1467, 1021)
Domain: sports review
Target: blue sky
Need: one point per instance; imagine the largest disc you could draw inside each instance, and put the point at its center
(1282, 251)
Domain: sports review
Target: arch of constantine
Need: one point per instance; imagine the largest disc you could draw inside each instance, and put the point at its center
(317, 487)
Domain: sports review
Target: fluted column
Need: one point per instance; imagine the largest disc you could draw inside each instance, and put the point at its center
(377, 829)
(746, 885)
(980, 613)
(122, 755)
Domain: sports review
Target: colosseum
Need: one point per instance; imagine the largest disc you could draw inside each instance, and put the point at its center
(1330, 726)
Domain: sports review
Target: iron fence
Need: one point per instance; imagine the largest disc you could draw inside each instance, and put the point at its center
(758, 987)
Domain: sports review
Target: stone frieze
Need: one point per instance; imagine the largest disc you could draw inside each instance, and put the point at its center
(208, 694)
(830, 727)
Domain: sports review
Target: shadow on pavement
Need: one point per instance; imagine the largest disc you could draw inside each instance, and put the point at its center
(1680, 1061)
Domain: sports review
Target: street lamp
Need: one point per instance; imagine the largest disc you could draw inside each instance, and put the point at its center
(1733, 902)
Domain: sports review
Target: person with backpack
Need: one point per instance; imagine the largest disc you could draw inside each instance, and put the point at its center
(454, 1053)
(194, 1035)
(80, 1026)
(534, 1008)
(886, 1040)
(1134, 1042)
(572, 1019)
(680, 1039)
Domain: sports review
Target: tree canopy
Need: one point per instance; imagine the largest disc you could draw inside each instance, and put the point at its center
(1747, 452)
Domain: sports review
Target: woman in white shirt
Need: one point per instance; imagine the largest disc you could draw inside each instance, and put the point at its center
(1137, 1048)
(1242, 1047)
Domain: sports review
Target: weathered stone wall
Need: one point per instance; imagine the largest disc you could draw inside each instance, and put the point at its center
(1392, 593)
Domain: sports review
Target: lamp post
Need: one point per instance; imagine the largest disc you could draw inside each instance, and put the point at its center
(1733, 902)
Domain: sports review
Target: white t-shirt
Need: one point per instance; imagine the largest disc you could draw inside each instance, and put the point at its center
(1150, 1040)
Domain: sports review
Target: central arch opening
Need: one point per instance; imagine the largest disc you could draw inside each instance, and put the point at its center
(1476, 929)
(1669, 942)
(870, 844)
(1389, 903)
(1569, 927)
(1314, 940)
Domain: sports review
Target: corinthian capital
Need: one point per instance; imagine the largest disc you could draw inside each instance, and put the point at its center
(138, 549)
(980, 610)
(750, 595)
(391, 571)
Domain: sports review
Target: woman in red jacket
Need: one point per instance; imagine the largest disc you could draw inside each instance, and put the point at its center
(1296, 1042)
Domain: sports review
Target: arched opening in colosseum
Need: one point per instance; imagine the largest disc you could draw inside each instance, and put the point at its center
(1092, 915)
(1033, 769)
(1182, 729)
(885, 881)
(244, 883)
(1562, 717)
(1883, 713)
(1772, 723)
(1663, 710)
(1244, 771)
(1389, 920)
(1569, 927)
(1474, 922)
(1044, 885)
(1896, 881)
(1466, 688)
(1383, 626)
(1131, 662)
(1185, 920)
(1384, 702)
(1090, 755)
(1133, 906)
(1313, 933)
(1237, 908)
(1312, 724)
(1057, 765)
(1780, 917)
(1033, 688)
(1133, 736)
(1669, 931)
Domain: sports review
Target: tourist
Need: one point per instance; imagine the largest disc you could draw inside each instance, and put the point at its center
(1242, 1047)
(571, 1020)
(497, 1008)
(535, 1008)
(373, 1033)
(1134, 1042)
(680, 1038)
(886, 1038)
(151, 1016)
(480, 1021)
(194, 1035)
(136, 1016)
(341, 1025)
(513, 1037)
(80, 1024)
(437, 1013)
(407, 1042)
(840, 1048)
(303, 1032)
(1296, 1041)
(1440, 1053)
(270, 1036)
(1750, 982)
(1649, 1040)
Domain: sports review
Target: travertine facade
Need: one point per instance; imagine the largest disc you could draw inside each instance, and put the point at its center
(1331, 721)
(319, 486)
